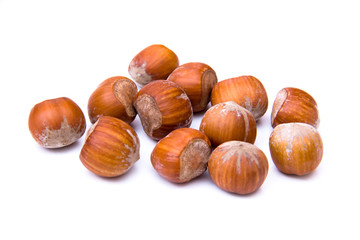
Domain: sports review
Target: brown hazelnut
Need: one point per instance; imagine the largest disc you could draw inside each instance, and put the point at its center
(296, 148)
(197, 79)
(228, 121)
(113, 97)
(56, 123)
(182, 155)
(247, 91)
(238, 167)
(155, 62)
(111, 147)
(294, 105)
(163, 107)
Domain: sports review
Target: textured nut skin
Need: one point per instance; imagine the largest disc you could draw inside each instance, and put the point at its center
(111, 147)
(228, 121)
(197, 79)
(113, 97)
(155, 62)
(247, 91)
(296, 148)
(56, 123)
(238, 167)
(294, 105)
(182, 155)
(163, 107)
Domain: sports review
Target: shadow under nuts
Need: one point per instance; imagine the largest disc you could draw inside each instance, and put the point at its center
(163, 107)
(111, 147)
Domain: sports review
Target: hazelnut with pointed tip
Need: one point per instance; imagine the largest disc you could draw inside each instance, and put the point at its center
(182, 155)
(56, 123)
(155, 62)
(238, 167)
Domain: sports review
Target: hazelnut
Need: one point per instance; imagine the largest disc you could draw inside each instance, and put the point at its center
(155, 62)
(247, 91)
(182, 155)
(294, 105)
(111, 147)
(228, 121)
(197, 79)
(296, 148)
(238, 167)
(113, 97)
(162, 107)
(56, 123)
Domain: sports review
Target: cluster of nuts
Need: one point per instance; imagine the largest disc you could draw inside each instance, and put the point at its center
(169, 95)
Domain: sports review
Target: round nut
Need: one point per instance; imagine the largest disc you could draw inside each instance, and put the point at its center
(56, 123)
(197, 79)
(163, 107)
(155, 62)
(182, 155)
(294, 105)
(113, 97)
(247, 91)
(238, 167)
(228, 121)
(296, 148)
(111, 147)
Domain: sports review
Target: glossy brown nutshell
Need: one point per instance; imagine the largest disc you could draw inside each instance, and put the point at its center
(296, 148)
(197, 79)
(228, 121)
(155, 62)
(182, 155)
(111, 147)
(238, 167)
(294, 105)
(113, 97)
(247, 91)
(56, 122)
(163, 107)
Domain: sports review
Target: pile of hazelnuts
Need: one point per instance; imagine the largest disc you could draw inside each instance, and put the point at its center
(169, 95)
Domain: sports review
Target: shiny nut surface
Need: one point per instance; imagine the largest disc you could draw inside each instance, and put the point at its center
(163, 107)
(238, 167)
(294, 105)
(198, 80)
(56, 123)
(182, 155)
(247, 91)
(228, 121)
(111, 147)
(296, 148)
(113, 97)
(153, 63)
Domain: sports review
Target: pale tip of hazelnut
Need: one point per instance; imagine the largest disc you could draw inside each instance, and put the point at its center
(139, 74)
(124, 91)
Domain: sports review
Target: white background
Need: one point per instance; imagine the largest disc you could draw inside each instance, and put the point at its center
(51, 49)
